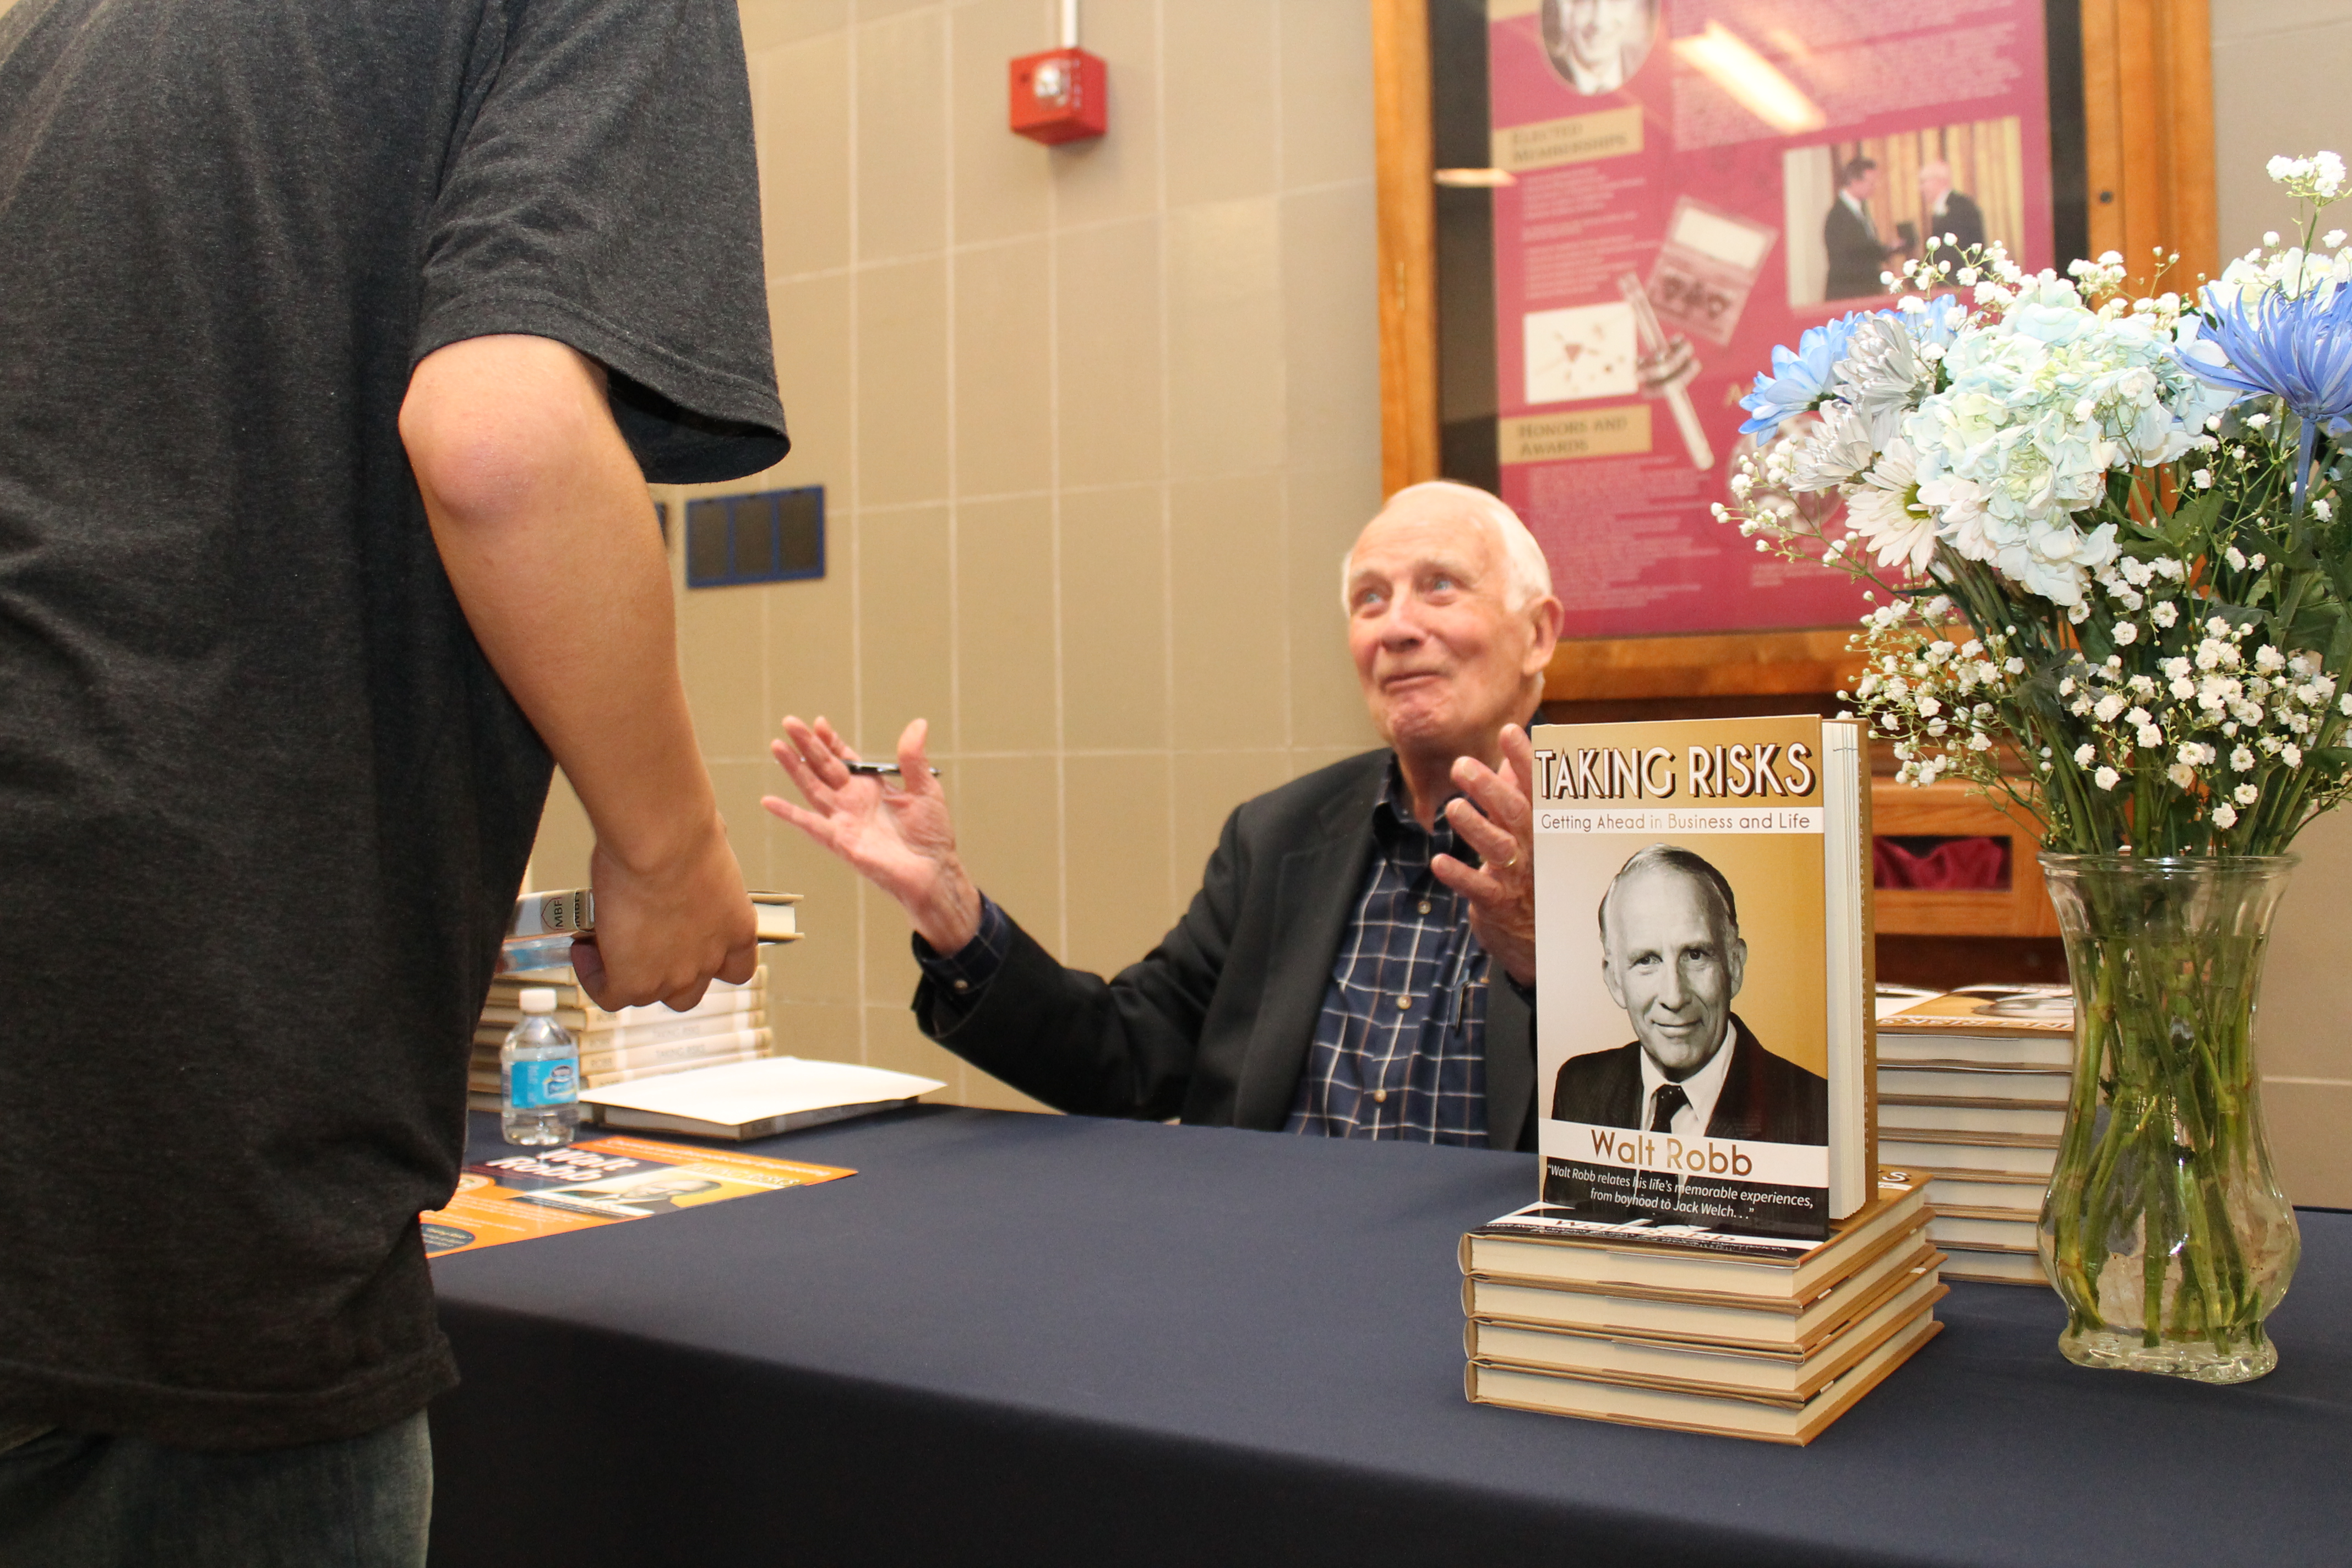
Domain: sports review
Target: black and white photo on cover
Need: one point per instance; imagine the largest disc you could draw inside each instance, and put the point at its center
(1672, 958)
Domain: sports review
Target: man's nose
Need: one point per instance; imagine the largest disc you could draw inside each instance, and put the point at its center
(1675, 993)
(1402, 624)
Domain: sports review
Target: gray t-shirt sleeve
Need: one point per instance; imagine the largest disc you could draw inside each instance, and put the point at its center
(605, 194)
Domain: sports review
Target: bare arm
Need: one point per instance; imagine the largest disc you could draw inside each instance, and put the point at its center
(541, 517)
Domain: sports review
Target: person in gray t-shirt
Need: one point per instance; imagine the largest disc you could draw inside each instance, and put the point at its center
(337, 342)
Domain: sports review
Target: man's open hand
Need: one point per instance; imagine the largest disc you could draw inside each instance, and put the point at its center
(1495, 815)
(896, 832)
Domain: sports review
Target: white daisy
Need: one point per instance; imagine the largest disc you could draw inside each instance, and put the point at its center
(1884, 513)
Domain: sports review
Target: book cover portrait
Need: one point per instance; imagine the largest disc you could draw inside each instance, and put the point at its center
(1686, 971)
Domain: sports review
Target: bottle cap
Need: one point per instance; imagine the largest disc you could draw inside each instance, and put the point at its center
(539, 999)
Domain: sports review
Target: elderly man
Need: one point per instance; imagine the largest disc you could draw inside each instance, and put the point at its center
(1359, 960)
(1950, 213)
(1672, 956)
(1597, 45)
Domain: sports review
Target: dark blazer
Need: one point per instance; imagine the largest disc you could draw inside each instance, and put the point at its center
(1214, 1023)
(1855, 259)
(1963, 220)
(1765, 1100)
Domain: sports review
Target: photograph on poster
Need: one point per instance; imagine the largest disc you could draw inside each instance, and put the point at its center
(1597, 45)
(1857, 209)
(1583, 351)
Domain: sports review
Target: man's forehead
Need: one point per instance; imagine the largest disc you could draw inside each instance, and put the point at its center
(1660, 889)
(1401, 540)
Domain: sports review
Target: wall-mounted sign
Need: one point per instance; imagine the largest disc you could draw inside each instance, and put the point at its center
(774, 536)
(1694, 182)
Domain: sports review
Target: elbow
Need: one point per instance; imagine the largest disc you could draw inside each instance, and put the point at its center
(495, 427)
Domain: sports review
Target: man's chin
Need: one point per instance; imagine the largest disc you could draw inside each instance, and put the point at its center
(1677, 1059)
(1410, 726)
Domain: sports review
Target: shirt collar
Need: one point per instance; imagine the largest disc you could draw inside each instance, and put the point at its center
(1392, 814)
(1703, 1088)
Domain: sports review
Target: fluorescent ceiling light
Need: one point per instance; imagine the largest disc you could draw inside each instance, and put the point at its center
(1725, 58)
(1475, 179)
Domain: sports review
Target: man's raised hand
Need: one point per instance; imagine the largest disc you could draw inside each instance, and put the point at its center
(1495, 815)
(896, 834)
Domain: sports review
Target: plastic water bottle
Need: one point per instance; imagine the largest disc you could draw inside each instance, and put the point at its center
(539, 1070)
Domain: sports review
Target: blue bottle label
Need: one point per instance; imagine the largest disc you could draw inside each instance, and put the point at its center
(530, 1085)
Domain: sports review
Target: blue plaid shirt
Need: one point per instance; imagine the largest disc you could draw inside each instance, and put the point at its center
(1400, 1047)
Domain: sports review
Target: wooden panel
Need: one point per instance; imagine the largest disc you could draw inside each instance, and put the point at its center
(1953, 809)
(1698, 665)
(1408, 258)
(2147, 124)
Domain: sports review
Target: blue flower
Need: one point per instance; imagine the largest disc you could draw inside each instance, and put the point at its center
(2297, 348)
(1938, 322)
(1799, 381)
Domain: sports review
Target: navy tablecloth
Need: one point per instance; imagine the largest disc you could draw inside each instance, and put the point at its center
(1025, 1339)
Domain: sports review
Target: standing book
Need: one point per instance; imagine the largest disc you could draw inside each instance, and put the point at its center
(1703, 886)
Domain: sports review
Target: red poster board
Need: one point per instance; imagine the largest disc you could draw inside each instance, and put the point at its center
(1676, 169)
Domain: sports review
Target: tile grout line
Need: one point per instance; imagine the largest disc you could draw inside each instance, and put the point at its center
(1171, 774)
(961, 1078)
(1281, 504)
(1083, 225)
(1054, 546)
(857, 511)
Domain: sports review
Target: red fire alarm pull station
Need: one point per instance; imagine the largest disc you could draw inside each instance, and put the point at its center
(1062, 95)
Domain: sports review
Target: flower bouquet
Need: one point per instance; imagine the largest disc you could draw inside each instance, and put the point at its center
(2111, 580)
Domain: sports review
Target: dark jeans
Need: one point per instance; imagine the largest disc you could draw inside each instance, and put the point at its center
(75, 1501)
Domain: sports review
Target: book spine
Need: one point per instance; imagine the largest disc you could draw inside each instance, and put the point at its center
(663, 1069)
(1853, 1097)
(582, 1019)
(695, 1048)
(541, 914)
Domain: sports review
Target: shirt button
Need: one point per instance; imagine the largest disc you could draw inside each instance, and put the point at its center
(1403, 1002)
(1380, 1096)
(963, 984)
(1425, 906)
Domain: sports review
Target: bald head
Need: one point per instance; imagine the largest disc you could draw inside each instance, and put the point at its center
(1451, 623)
(1526, 574)
(1935, 180)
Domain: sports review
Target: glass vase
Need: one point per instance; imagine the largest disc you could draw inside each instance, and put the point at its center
(2164, 1230)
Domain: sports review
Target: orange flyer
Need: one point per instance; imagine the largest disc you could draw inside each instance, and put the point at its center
(602, 1181)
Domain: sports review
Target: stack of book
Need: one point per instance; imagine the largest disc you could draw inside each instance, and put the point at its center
(728, 1024)
(1744, 1336)
(1975, 1101)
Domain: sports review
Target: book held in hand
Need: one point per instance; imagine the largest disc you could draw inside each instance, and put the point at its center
(540, 932)
(1703, 936)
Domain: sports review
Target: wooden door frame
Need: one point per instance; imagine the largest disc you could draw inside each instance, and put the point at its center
(2148, 114)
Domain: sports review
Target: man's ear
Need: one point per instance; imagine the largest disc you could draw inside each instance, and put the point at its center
(1735, 960)
(1609, 979)
(1545, 618)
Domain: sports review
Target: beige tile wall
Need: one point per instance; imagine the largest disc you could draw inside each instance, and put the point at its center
(2277, 66)
(1095, 424)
